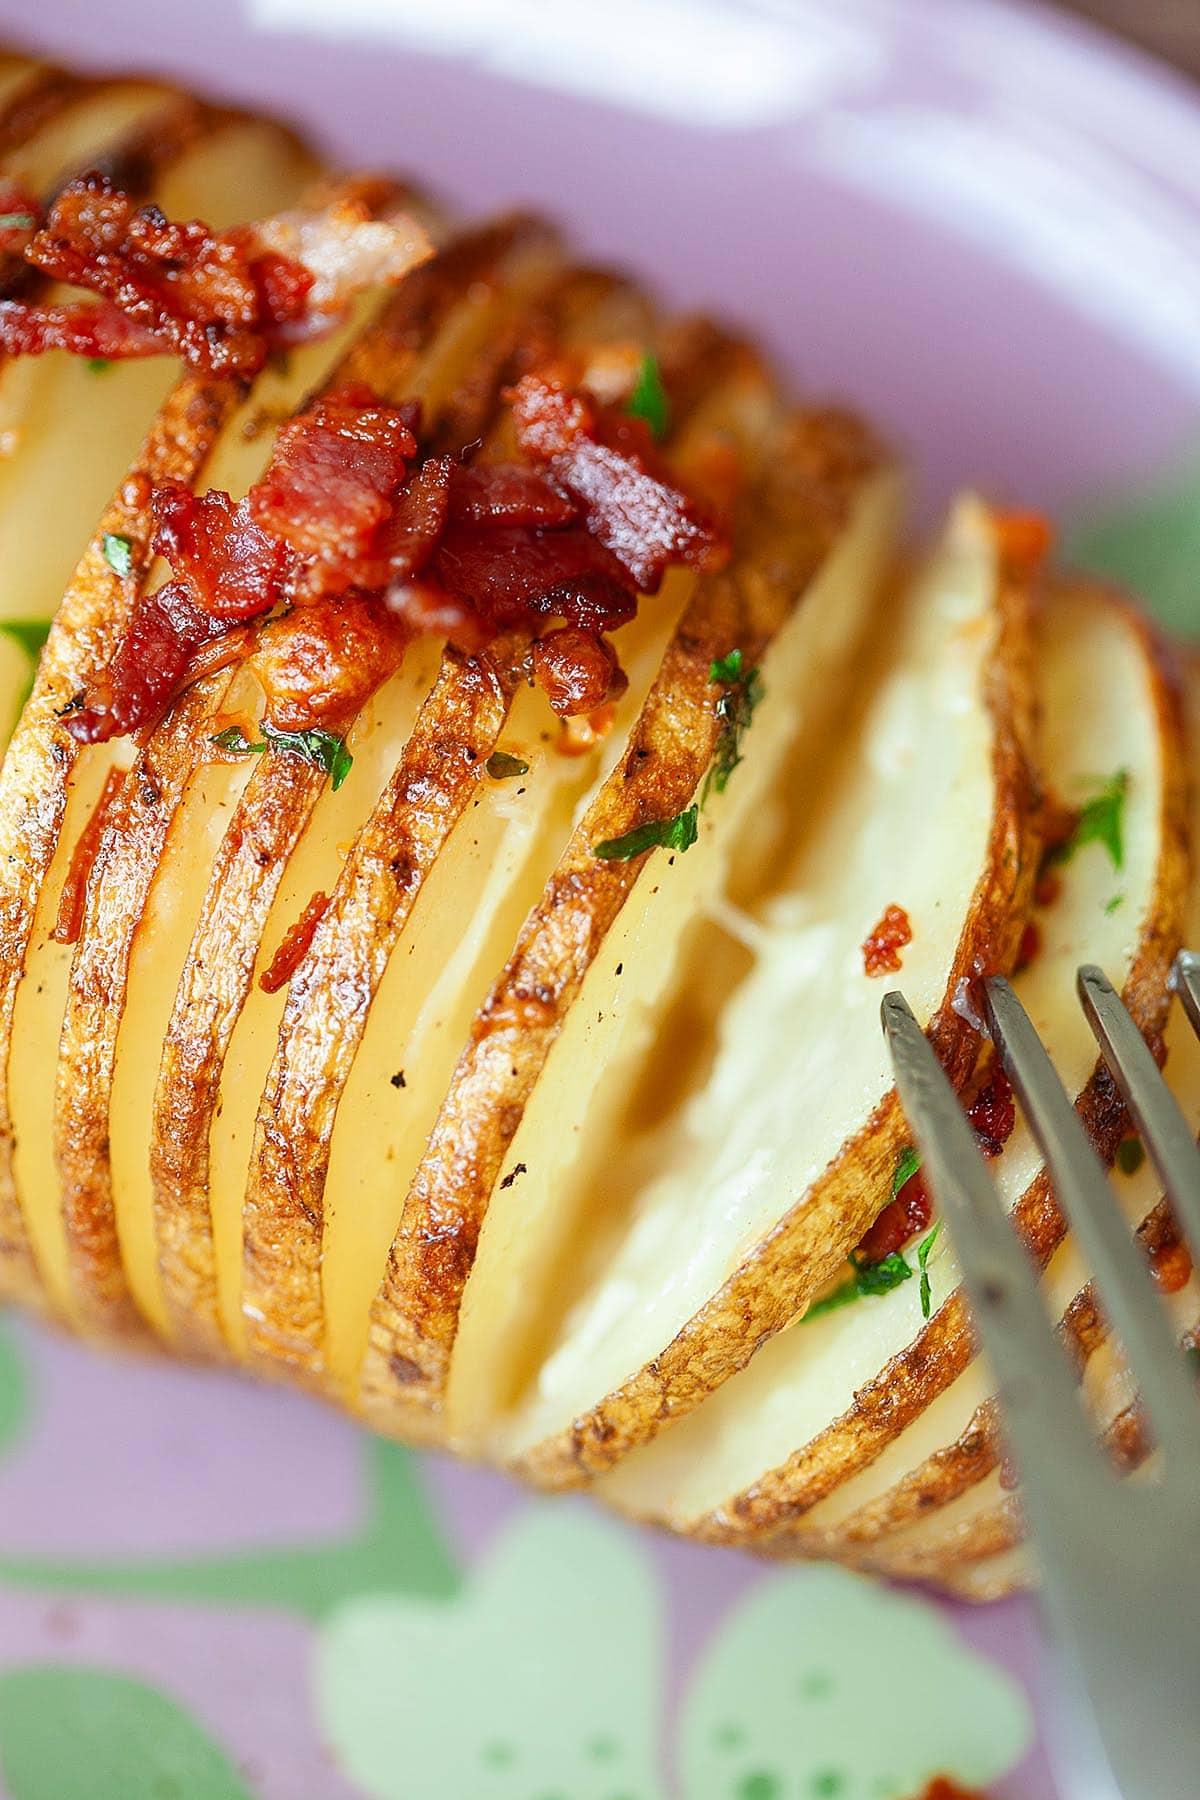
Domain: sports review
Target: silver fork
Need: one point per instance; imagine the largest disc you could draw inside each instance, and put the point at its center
(1120, 1560)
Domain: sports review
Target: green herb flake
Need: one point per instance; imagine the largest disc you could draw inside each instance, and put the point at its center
(1117, 900)
(679, 833)
(725, 671)
(923, 1249)
(735, 709)
(324, 748)
(1131, 1154)
(234, 741)
(649, 397)
(502, 767)
(905, 1169)
(118, 553)
(98, 365)
(867, 1279)
(17, 221)
(1102, 820)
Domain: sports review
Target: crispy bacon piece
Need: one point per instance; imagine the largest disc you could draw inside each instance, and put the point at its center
(150, 665)
(578, 669)
(608, 464)
(507, 494)
(96, 331)
(69, 922)
(992, 1116)
(334, 474)
(900, 1220)
(319, 664)
(883, 944)
(221, 301)
(295, 946)
(232, 567)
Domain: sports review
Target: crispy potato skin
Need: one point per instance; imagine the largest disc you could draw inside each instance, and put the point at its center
(911, 1381)
(764, 1294)
(790, 524)
(36, 771)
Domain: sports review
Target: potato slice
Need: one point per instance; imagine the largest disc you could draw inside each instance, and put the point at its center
(69, 444)
(978, 1518)
(851, 1388)
(710, 1175)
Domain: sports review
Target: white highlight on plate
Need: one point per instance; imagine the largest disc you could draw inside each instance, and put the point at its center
(1083, 223)
(699, 61)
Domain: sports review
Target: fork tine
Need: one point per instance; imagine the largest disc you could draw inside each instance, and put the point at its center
(1186, 973)
(1043, 1419)
(1080, 1183)
(1156, 1112)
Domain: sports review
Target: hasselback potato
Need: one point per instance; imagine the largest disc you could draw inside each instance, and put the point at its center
(435, 976)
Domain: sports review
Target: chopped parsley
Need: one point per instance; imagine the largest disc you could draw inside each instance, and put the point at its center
(118, 553)
(17, 221)
(1131, 1154)
(1102, 821)
(905, 1169)
(923, 1249)
(679, 833)
(323, 748)
(98, 365)
(873, 1278)
(735, 709)
(867, 1278)
(502, 767)
(29, 635)
(1116, 901)
(649, 397)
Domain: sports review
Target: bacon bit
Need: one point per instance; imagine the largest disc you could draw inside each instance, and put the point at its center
(222, 301)
(992, 1114)
(1031, 944)
(149, 666)
(1171, 1266)
(232, 568)
(900, 1220)
(333, 476)
(297, 941)
(607, 462)
(319, 664)
(580, 735)
(882, 946)
(69, 922)
(509, 494)
(578, 669)
(1024, 539)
